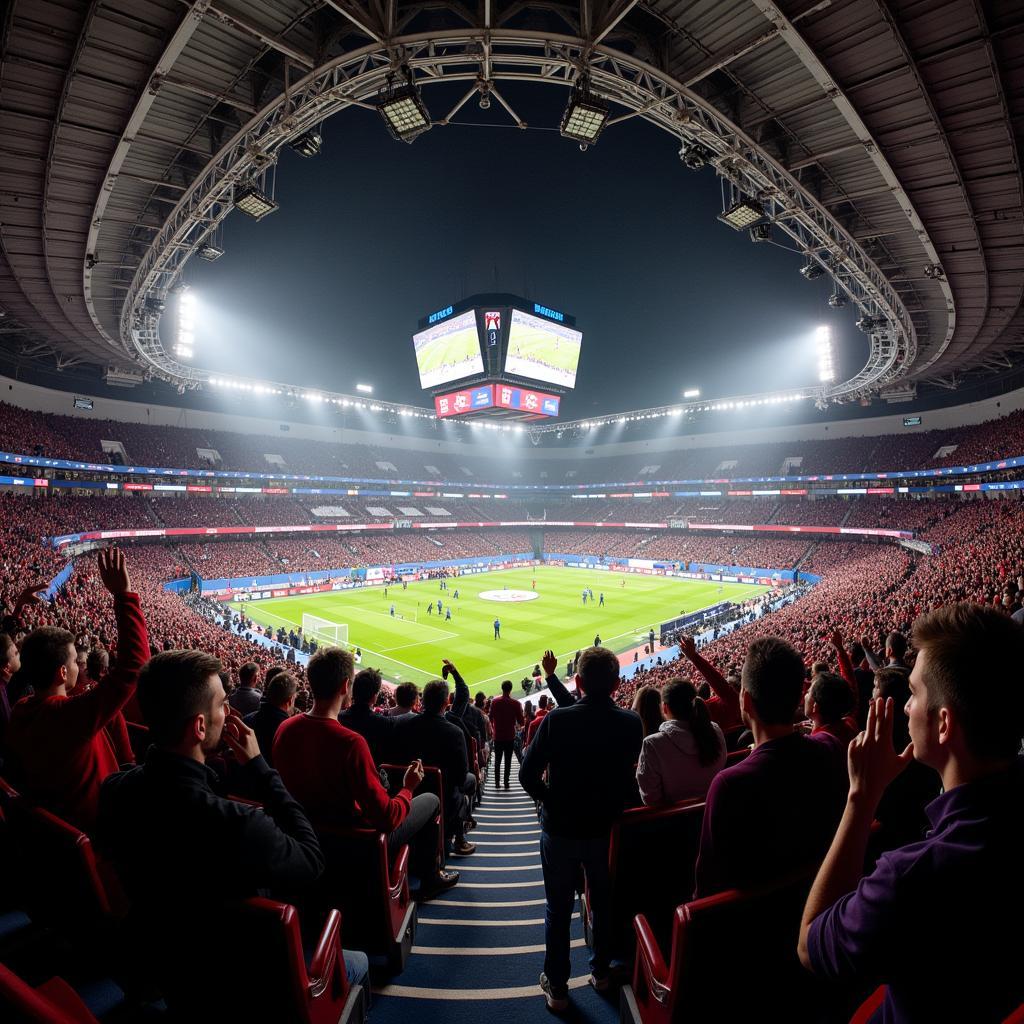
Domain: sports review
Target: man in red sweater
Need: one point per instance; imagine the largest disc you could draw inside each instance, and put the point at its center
(542, 710)
(330, 771)
(59, 746)
(506, 715)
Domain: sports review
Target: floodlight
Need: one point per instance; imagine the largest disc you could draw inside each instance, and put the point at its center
(691, 393)
(253, 201)
(402, 108)
(812, 269)
(308, 143)
(209, 252)
(837, 300)
(823, 342)
(742, 214)
(585, 114)
(367, 389)
(761, 232)
(694, 156)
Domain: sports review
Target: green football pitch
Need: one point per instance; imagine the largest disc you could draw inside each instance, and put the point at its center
(450, 348)
(411, 644)
(541, 345)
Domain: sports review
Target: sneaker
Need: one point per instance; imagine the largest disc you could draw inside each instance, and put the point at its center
(600, 984)
(557, 1001)
(440, 883)
(464, 849)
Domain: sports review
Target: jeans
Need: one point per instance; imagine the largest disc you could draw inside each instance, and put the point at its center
(357, 966)
(419, 831)
(502, 749)
(458, 809)
(561, 860)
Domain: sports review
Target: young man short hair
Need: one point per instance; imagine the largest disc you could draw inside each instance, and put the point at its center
(58, 747)
(775, 811)
(277, 706)
(935, 920)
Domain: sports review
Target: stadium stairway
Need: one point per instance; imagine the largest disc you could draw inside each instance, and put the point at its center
(480, 947)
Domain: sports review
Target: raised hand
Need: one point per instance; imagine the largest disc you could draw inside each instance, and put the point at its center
(447, 668)
(873, 763)
(837, 638)
(30, 595)
(114, 571)
(549, 663)
(413, 776)
(688, 646)
(240, 738)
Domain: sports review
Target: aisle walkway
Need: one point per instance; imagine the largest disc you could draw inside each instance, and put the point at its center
(484, 940)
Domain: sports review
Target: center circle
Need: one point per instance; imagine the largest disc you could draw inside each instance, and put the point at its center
(509, 595)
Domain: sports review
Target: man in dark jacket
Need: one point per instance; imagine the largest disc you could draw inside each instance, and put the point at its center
(166, 826)
(589, 751)
(378, 730)
(277, 706)
(440, 744)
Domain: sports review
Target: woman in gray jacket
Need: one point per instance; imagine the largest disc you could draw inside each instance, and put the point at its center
(679, 761)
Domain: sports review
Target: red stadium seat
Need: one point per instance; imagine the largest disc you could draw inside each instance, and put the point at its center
(699, 980)
(373, 894)
(53, 1002)
(867, 1009)
(669, 835)
(735, 756)
(432, 783)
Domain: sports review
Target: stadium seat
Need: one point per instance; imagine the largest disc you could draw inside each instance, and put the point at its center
(673, 833)
(867, 1009)
(262, 973)
(63, 884)
(379, 916)
(432, 783)
(53, 1002)
(709, 936)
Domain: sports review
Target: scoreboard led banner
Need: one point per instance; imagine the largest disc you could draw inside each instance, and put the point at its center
(538, 402)
(501, 396)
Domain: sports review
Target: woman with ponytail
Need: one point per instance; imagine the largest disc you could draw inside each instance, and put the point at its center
(679, 761)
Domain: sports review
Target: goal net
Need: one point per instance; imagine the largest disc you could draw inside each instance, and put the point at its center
(325, 632)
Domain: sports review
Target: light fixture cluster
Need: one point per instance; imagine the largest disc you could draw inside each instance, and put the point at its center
(258, 388)
(742, 214)
(515, 428)
(585, 115)
(251, 200)
(740, 403)
(402, 107)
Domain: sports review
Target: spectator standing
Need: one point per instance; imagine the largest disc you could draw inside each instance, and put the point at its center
(58, 746)
(506, 717)
(580, 768)
(679, 761)
(542, 710)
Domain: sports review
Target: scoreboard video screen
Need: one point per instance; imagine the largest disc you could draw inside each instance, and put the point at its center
(448, 350)
(542, 350)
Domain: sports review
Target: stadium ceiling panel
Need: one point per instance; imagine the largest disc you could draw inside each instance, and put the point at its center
(884, 138)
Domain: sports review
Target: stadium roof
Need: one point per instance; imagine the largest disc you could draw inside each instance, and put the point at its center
(885, 142)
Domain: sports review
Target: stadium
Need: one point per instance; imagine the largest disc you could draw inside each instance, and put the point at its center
(511, 508)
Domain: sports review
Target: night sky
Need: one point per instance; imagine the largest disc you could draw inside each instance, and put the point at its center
(373, 234)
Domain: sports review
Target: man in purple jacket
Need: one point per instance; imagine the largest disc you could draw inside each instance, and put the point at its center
(776, 810)
(935, 921)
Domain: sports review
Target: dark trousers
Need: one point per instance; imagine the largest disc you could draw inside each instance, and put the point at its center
(503, 749)
(458, 808)
(420, 832)
(561, 860)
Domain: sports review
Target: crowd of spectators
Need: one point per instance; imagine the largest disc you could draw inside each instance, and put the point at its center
(82, 438)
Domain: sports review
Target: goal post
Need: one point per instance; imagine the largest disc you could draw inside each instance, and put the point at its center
(325, 632)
